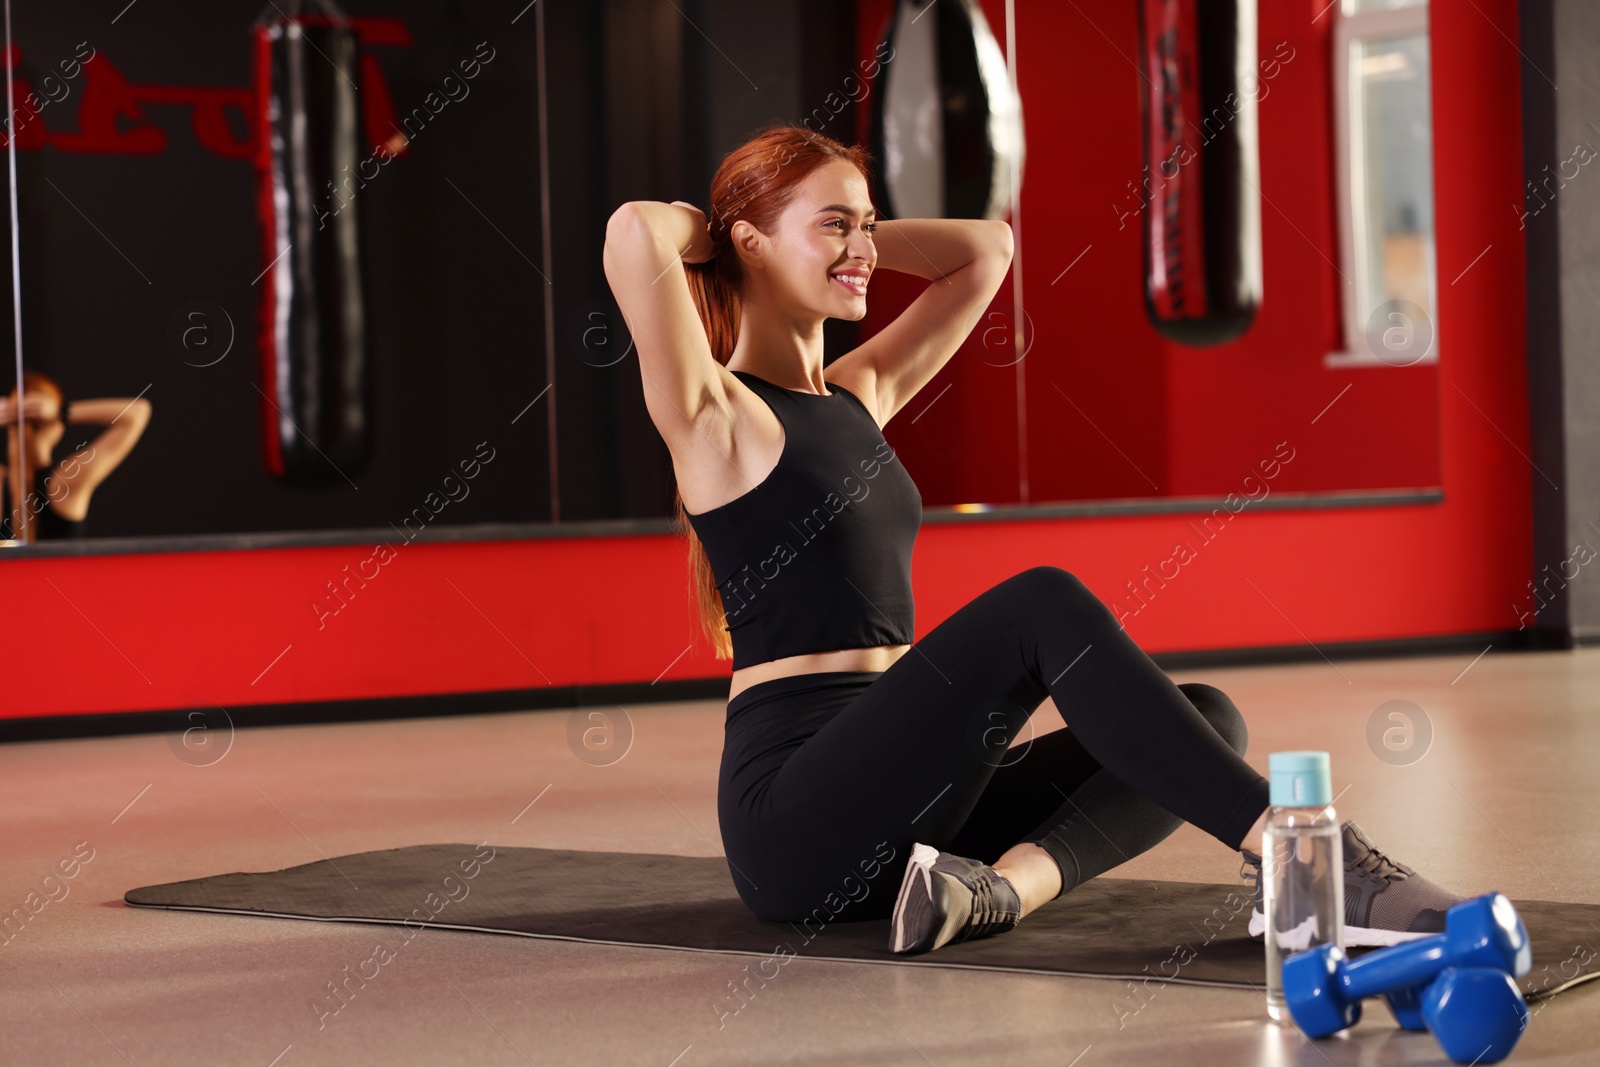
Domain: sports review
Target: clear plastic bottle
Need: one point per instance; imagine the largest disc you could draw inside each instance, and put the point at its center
(1302, 866)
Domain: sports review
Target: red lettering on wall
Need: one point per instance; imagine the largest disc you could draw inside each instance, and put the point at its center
(112, 117)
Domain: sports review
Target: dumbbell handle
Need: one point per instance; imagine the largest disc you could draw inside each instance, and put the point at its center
(1393, 968)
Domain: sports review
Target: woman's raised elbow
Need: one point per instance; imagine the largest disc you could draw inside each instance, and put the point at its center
(627, 230)
(625, 220)
(1002, 241)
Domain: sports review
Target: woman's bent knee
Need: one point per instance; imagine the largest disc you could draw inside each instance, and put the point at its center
(1055, 585)
(1048, 573)
(1220, 711)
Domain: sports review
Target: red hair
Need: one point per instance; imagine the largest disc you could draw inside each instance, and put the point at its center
(755, 182)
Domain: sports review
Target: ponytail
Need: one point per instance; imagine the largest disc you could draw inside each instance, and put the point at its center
(716, 298)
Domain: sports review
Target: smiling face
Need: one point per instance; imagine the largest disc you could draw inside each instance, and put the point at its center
(820, 255)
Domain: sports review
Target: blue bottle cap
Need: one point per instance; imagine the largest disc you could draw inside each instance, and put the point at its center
(1300, 780)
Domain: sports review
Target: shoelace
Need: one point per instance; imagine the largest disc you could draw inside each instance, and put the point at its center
(988, 914)
(1375, 862)
(1370, 861)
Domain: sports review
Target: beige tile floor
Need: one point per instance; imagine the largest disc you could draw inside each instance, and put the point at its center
(1500, 800)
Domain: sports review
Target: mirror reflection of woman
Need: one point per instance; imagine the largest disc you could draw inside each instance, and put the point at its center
(48, 500)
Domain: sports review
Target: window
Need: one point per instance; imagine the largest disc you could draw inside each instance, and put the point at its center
(1384, 139)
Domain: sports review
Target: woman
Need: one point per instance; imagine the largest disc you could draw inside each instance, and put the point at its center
(51, 501)
(855, 758)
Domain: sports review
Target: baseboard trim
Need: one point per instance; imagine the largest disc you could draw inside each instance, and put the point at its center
(435, 705)
(431, 705)
(1384, 648)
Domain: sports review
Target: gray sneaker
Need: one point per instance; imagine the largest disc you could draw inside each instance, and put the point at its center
(1385, 902)
(1250, 871)
(945, 899)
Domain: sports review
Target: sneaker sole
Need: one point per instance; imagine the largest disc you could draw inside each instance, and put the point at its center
(1361, 936)
(914, 908)
(1354, 936)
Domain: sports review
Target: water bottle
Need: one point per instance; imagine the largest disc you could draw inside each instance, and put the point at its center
(1302, 866)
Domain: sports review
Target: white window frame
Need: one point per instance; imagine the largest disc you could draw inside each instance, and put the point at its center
(1350, 31)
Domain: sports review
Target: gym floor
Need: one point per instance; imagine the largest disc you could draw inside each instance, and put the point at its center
(1496, 802)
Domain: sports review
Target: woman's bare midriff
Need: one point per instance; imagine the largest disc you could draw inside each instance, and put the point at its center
(845, 659)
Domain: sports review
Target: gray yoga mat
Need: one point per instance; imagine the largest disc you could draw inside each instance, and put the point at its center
(1149, 932)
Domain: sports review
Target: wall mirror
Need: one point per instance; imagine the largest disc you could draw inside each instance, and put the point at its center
(392, 316)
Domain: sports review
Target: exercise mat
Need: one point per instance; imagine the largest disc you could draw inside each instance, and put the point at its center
(1191, 933)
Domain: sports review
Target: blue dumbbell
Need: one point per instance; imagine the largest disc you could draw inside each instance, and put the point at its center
(1406, 1003)
(1324, 989)
(1476, 1013)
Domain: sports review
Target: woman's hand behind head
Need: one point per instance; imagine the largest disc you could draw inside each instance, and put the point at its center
(36, 407)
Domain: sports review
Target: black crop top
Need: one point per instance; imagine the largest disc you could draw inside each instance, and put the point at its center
(47, 525)
(817, 557)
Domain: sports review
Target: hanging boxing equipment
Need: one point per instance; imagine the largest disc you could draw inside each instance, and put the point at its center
(946, 125)
(316, 426)
(1201, 210)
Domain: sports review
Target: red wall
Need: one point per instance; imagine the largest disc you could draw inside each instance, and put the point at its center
(114, 633)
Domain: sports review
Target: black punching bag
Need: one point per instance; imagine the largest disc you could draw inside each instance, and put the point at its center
(316, 427)
(946, 125)
(1201, 210)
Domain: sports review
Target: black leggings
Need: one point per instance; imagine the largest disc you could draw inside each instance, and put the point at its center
(827, 779)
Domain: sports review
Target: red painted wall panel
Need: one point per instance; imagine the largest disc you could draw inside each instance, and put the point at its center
(116, 633)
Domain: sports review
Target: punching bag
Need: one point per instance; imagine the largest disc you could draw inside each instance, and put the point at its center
(1201, 212)
(946, 125)
(316, 427)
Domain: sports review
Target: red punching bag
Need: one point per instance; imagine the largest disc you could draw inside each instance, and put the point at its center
(1201, 211)
(316, 426)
